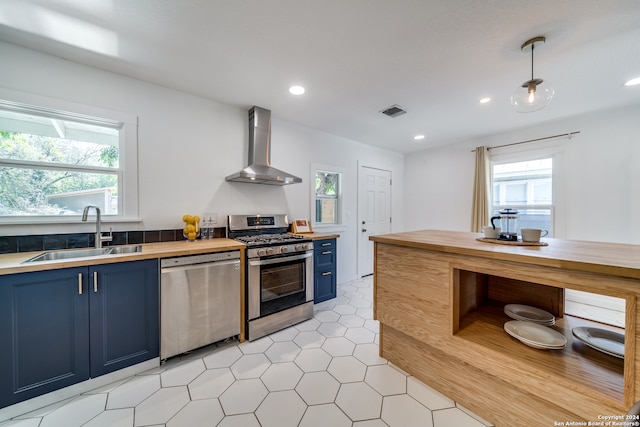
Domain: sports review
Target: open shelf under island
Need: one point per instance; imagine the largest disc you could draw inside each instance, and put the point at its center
(439, 297)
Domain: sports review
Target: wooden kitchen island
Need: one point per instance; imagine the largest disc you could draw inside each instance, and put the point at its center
(439, 297)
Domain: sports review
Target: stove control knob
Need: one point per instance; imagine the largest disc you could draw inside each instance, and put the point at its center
(299, 247)
(269, 251)
(284, 250)
(262, 252)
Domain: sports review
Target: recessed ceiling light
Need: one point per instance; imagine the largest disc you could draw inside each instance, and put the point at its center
(418, 137)
(633, 82)
(485, 100)
(296, 90)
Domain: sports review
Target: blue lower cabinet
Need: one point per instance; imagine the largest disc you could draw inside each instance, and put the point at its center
(61, 327)
(44, 331)
(124, 313)
(324, 263)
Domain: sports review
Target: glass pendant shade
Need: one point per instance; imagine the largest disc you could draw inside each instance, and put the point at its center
(533, 95)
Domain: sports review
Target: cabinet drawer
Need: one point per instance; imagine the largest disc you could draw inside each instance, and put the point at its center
(324, 254)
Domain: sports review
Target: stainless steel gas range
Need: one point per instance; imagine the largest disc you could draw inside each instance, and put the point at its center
(279, 273)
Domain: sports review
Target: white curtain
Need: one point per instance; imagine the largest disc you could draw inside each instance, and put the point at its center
(481, 190)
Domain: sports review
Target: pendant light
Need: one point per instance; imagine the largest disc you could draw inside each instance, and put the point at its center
(533, 94)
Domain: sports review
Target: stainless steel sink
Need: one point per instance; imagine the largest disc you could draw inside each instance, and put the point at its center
(83, 253)
(127, 249)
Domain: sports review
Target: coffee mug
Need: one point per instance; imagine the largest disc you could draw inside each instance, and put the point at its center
(490, 232)
(532, 234)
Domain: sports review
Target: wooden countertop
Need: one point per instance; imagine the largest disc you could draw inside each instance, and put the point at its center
(12, 263)
(615, 259)
(319, 236)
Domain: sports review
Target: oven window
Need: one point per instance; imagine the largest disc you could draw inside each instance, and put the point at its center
(282, 286)
(282, 279)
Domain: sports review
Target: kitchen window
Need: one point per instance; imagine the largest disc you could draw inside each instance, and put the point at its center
(54, 162)
(327, 196)
(527, 187)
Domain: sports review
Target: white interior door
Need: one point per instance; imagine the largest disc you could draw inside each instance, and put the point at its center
(374, 212)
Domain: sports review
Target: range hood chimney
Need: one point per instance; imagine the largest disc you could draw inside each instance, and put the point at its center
(259, 169)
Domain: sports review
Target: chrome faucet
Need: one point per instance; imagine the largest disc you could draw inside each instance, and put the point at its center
(99, 237)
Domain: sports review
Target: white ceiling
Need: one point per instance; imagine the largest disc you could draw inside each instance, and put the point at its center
(434, 58)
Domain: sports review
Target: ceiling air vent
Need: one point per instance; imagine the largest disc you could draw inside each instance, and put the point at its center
(393, 111)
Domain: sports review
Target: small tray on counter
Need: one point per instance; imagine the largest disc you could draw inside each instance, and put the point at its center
(511, 242)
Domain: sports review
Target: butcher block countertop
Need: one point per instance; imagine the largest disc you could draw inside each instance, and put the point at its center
(615, 259)
(12, 263)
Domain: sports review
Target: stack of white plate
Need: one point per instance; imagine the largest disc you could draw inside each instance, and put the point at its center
(529, 314)
(535, 335)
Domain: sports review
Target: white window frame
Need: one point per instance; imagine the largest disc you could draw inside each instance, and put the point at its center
(315, 168)
(515, 154)
(128, 156)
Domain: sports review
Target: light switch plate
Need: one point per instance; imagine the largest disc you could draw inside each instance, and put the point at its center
(210, 218)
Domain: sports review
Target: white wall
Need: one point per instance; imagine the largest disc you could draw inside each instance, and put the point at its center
(188, 144)
(598, 174)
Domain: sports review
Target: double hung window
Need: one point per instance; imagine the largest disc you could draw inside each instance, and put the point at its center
(527, 187)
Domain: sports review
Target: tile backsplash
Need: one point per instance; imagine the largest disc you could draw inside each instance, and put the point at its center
(48, 242)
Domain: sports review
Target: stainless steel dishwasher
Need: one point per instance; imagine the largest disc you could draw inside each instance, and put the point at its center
(199, 301)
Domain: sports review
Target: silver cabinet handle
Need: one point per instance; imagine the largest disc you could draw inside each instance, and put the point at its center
(79, 283)
(326, 252)
(326, 244)
(326, 273)
(95, 281)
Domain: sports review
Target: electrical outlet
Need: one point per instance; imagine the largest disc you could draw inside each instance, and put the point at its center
(210, 218)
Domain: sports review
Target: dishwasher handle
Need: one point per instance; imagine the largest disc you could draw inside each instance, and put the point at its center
(235, 262)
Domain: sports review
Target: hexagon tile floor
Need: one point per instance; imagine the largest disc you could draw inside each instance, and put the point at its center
(324, 372)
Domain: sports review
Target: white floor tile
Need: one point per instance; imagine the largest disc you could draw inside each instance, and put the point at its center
(161, 406)
(318, 387)
(243, 396)
(338, 346)
(454, 417)
(360, 335)
(250, 366)
(313, 359)
(285, 351)
(332, 329)
(308, 325)
(325, 416)
(198, 413)
(351, 320)
(326, 316)
(386, 380)
(134, 391)
(222, 358)
(113, 418)
(281, 376)
(211, 383)
(309, 339)
(369, 354)
(427, 396)
(258, 346)
(182, 374)
(77, 412)
(404, 411)
(281, 409)
(243, 420)
(359, 401)
(347, 369)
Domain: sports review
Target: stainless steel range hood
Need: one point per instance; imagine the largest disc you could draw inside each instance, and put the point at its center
(259, 169)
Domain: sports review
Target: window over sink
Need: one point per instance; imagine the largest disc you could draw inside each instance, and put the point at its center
(55, 161)
(327, 191)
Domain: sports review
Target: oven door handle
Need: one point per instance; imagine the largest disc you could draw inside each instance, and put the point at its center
(280, 259)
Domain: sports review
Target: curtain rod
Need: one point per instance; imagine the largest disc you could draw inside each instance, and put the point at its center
(562, 135)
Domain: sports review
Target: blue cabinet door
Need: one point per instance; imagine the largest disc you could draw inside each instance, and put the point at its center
(44, 333)
(124, 306)
(324, 263)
